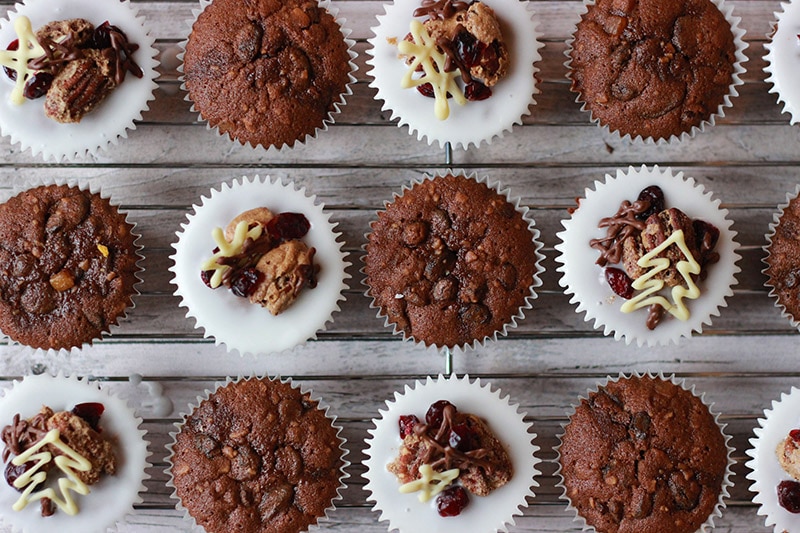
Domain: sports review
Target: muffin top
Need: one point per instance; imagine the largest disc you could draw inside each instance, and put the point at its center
(266, 72)
(257, 456)
(68, 266)
(784, 258)
(652, 68)
(450, 261)
(643, 455)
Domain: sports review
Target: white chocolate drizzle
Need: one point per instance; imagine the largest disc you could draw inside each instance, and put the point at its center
(228, 249)
(29, 48)
(431, 483)
(424, 51)
(649, 286)
(67, 463)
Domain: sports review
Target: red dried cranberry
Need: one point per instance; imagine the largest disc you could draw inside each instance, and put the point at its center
(655, 196)
(12, 472)
(426, 89)
(435, 415)
(37, 85)
(703, 228)
(795, 435)
(90, 412)
(619, 282)
(468, 49)
(407, 423)
(475, 91)
(206, 276)
(287, 226)
(789, 495)
(452, 501)
(462, 438)
(10, 72)
(244, 282)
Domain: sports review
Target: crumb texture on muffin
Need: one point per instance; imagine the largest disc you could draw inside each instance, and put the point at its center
(784, 258)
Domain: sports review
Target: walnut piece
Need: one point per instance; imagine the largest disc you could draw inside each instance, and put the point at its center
(286, 269)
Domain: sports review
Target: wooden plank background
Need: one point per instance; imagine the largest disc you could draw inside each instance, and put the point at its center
(750, 159)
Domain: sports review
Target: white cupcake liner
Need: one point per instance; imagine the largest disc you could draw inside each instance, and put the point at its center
(113, 497)
(28, 126)
(539, 257)
(776, 219)
(727, 483)
(738, 69)
(321, 405)
(493, 512)
(232, 320)
(337, 104)
(26, 184)
(765, 470)
(584, 280)
(474, 122)
(783, 56)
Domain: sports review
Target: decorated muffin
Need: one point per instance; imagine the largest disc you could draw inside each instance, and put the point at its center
(455, 71)
(644, 453)
(450, 455)
(257, 456)
(267, 73)
(74, 456)
(77, 74)
(69, 264)
(782, 57)
(656, 69)
(259, 266)
(452, 261)
(648, 255)
(783, 258)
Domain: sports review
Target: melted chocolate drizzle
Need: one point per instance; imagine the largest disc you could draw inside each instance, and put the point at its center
(440, 455)
(620, 226)
(21, 434)
(440, 9)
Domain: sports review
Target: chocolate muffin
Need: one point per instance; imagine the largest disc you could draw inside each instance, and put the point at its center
(783, 260)
(67, 266)
(652, 68)
(643, 455)
(257, 456)
(266, 72)
(450, 261)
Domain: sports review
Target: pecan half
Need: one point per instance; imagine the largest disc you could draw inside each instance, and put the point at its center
(80, 86)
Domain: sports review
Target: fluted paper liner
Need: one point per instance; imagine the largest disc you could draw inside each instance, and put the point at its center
(770, 283)
(727, 483)
(537, 282)
(494, 512)
(28, 126)
(321, 405)
(783, 57)
(583, 279)
(474, 122)
(113, 497)
(235, 321)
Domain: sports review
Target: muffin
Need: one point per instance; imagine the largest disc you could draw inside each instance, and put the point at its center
(463, 433)
(782, 58)
(282, 291)
(485, 51)
(774, 464)
(655, 69)
(91, 75)
(257, 455)
(783, 258)
(68, 266)
(267, 73)
(98, 435)
(626, 465)
(648, 255)
(452, 261)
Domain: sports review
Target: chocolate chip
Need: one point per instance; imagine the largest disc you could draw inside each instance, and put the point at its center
(38, 298)
(208, 446)
(418, 294)
(475, 314)
(439, 265)
(247, 42)
(245, 464)
(685, 492)
(641, 425)
(68, 213)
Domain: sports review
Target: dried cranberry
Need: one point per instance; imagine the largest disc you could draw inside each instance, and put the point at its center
(10, 72)
(703, 228)
(452, 501)
(206, 276)
(795, 435)
(475, 91)
(101, 38)
(468, 49)
(90, 412)
(619, 282)
(426, 89)
(12, 472)
(435, 415)
(37, 85)
(245, 281)
(789, 495)
(462, 438)
(287, 226)
(407, 423)
(655, 196)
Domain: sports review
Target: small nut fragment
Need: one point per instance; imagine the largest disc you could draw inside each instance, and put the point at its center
(103, 250)
(259, 215)
(62, 281)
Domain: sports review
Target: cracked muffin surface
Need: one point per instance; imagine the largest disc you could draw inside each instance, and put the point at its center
(643, 455)
(266, 72)
(257, 456)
